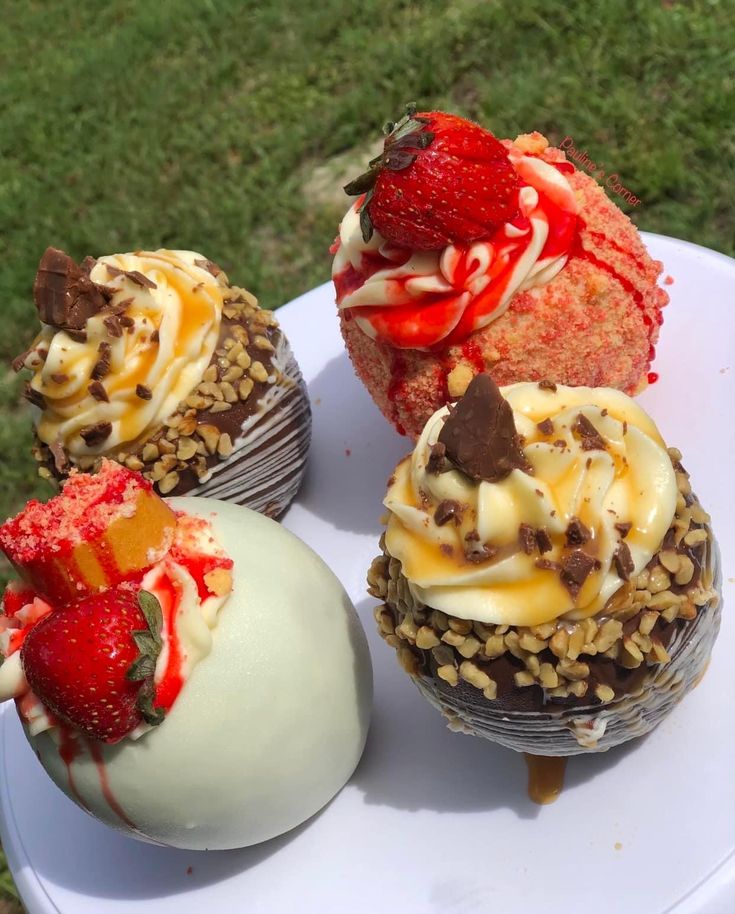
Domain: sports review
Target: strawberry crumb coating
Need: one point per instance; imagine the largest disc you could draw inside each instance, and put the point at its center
(100, 530)
(595, 323)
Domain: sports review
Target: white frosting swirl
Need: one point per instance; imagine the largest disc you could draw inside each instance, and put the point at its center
(440, 286)
(632, 482)
(166, 349)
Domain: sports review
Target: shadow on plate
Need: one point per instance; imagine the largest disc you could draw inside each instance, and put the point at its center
(353, 451)
(412, 761)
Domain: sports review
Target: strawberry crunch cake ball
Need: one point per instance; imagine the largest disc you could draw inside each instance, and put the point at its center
(547, 576)
(465, 254)
(155, 360)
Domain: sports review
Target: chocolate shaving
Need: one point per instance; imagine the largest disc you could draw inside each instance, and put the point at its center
(480, 436)
(560, 442)
(102, 368)
(446, 549)
(447, 510)
(114, 272)
(624, 564)
(145, 393)
(527, 538)
(623, 529)
(472, 537)
(547, 385)
(79, 336)
(140, 279)
(59, 378)
(155, 336)
(578, 533)
(547, 565)
(20, 360)
(127, 321)
(34, 396)
(575, 568)
(96, 389)
(113, 326)
(61, 462)
(64, 294)
(546, 427)
(436, 458)
(96, 434)
(590, 437)
(543, 540)
(484, 554)
(209, 265)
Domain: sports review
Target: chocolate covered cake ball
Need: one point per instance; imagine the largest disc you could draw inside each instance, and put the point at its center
(548, 578)
(155, 360)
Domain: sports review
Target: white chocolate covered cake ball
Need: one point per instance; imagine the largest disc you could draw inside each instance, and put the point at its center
(250, 710)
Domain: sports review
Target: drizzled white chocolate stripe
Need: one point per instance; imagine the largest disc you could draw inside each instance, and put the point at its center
(268, 460)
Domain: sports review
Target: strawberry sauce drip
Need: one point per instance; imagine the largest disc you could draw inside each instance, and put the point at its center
(168, 594)
(69, 750)
(472, 353)
(96, 754)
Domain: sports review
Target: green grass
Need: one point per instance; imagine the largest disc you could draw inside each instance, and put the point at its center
(197, 123)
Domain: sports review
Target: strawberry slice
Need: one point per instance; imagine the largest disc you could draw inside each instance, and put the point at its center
(92, 663)
(440, 180)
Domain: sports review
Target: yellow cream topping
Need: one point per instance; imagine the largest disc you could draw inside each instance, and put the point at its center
(172, 334)
(631, 482)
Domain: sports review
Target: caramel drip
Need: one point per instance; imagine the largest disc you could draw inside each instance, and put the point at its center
(545, 777)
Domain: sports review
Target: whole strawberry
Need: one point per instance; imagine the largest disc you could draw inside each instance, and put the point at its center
(440, 180)
(92, 663)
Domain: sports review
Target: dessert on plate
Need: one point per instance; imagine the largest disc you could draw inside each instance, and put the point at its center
(464, 254)
(167, 662)
(155, 360)
(547, 576)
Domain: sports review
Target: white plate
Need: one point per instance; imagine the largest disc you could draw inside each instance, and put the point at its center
(434, 821)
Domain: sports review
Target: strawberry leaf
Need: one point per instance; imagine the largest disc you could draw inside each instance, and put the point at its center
(151, 609)
(150, 714)
(141, 668)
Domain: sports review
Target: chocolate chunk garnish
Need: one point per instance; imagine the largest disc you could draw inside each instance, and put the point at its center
(484, 554)
(209, 265)
(591, 438)
(140, 279)
(623, 529)
(560, 442)
(155, 336)
(102, 368)
(624, 564)
(575, 568)
(113, 326)
(64, 294)
(543, 540)
(472, 537)
(145, 393)
(127, 321)
(448, 510)
(547, 565)
(20, 360)
(546, 427)
(61, 462)
(446, 549)
(114, 271)
(547, 385)
(480, 435)
(59, 378)
(436, 457)
(34, 396)
(577, 533)
(95, 434)
(527, 538)
(97, 390)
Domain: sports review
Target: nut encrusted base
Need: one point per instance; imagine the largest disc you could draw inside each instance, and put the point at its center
(565, 687)
(242, 434)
